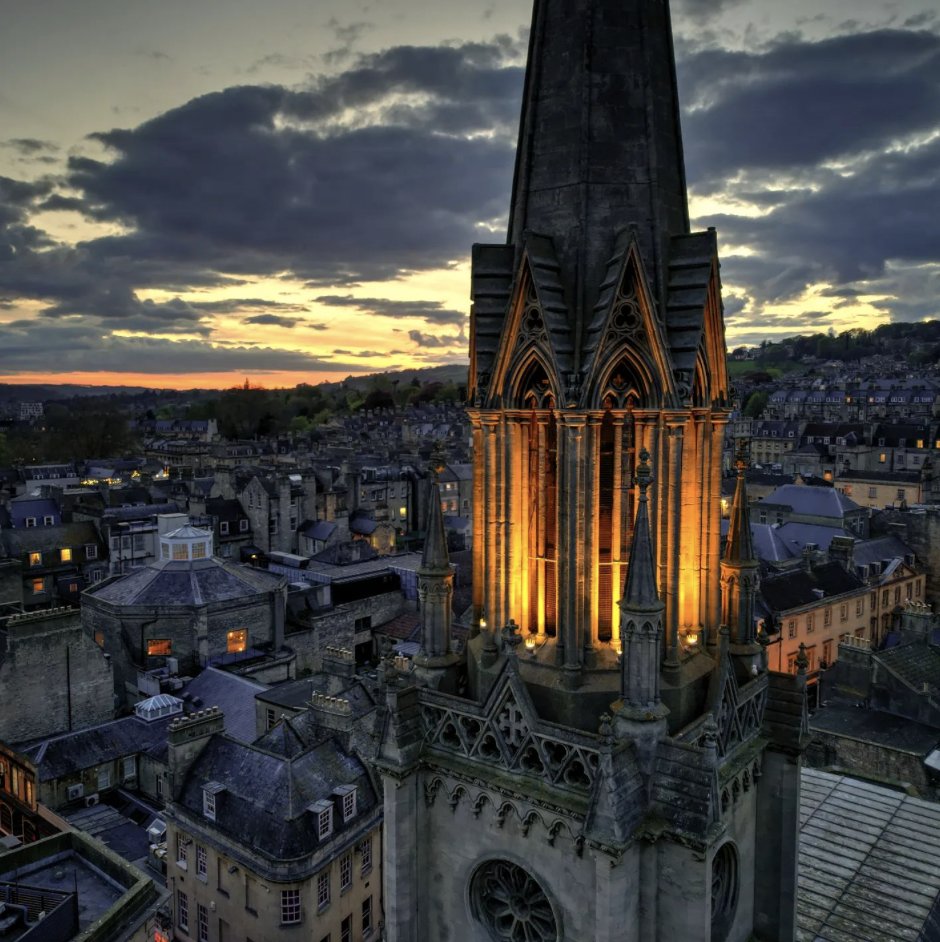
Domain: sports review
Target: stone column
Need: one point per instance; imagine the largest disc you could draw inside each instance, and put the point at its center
(616, 897)
(572, 506)
(620, 486)
(490, 511)
(590, 569)
(479, 542)
(673, 514)
(399, 859)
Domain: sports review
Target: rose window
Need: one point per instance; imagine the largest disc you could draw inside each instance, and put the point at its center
(511, 904)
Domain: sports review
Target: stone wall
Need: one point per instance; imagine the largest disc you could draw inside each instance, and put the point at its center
(921, 532)
(53, 678)
(337, 628)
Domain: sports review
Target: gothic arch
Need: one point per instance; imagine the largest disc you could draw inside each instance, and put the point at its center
(531, 386)
(627, 380)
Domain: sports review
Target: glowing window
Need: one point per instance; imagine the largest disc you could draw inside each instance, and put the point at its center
(99, 637)
(237, 641)
(180, 551)
(35, 559)
(39, 585)
(159, 647)
(65, 554)
(199, 550)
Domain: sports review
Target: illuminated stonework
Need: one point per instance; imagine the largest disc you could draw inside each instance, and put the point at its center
(511, 904)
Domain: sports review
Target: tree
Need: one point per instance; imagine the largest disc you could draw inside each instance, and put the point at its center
(755, 405)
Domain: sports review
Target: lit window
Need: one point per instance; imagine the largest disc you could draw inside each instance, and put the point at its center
(65, 554)
(345, 872)
(199, 550)
(180, 551)
(182, 910)
(323, 889)
(159, 647)
(99, 637)
(290, 906)
(35, 559)
(883, 457)
(202, 915)
(201, 861)
(39, 585)
(237, 640)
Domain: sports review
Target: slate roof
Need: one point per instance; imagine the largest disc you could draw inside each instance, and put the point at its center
(812, 501)
(914, 664)
(267, 797)
(794, 589)
(880, 549)
(232, 694)
(185, 583)
(43, 539)
(868, 863)
(70, 752)
(897, 733)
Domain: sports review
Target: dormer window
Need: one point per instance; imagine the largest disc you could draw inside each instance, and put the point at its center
(323, 809)
(210, 792)
(347, 797)
(30, 521)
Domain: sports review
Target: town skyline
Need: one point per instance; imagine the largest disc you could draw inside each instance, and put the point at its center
(204, 195)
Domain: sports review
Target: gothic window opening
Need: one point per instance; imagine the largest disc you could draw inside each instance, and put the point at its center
(724, 891)
(541, 498)
(511, 904)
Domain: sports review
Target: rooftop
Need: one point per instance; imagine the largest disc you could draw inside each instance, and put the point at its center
(868, 863)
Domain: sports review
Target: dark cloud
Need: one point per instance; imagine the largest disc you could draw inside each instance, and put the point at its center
(273, 320)
(798, 104)
(431, 340)
(433, 312)
(702, 10)
(30, 146)
(28, 347)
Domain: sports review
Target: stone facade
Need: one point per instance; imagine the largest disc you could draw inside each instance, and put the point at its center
(53, 677)
(591, 766)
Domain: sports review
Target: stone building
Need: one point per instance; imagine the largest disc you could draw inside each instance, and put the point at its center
(616, 768)
(188, 605)
(276, 838)
(53, 677)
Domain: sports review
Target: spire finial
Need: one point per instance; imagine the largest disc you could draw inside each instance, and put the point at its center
(644, 473)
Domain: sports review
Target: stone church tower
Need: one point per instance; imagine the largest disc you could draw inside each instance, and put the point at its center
(609, 758)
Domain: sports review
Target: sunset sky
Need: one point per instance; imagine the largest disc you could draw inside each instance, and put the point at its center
(197, 191)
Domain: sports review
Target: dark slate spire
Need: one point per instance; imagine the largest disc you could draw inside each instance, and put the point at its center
(609, 65)
(640, 593)
(740, 546)
(435, 558)
(435, 589)
(641, 619)
(740, 574)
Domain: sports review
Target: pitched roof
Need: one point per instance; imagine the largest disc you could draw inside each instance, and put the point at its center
(812, 501)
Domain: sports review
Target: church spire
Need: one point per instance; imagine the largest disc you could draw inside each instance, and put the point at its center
(641, 613)
(435, 587)
(740, 569)
(610, 65)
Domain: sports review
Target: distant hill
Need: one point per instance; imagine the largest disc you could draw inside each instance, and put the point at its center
(449, 373)
(35, 392)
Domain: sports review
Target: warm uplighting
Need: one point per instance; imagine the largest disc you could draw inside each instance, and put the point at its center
(530, 645)
(691, 638)
(482, 624)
